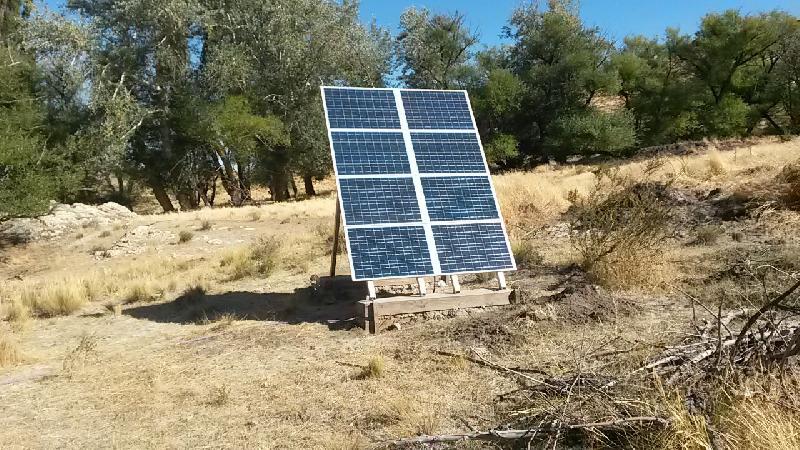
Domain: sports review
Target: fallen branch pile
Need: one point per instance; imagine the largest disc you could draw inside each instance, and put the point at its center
(768, 336)
(531, 433)
(563, 408)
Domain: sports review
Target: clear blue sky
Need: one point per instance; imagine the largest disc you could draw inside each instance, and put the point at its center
(617, 18)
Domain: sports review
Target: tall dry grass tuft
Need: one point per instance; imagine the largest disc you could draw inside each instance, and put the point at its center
(528, 201)
(10, 354)
(716, 165)
(790, 178)
(260, 259)
(756, 424)
(18, 314)
(56, 299)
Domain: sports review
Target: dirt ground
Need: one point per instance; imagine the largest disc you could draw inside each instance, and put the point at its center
(275, 362)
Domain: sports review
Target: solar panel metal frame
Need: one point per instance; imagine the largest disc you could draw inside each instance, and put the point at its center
(416, 176)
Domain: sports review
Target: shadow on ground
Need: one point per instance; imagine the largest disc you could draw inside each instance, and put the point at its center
(332, 303)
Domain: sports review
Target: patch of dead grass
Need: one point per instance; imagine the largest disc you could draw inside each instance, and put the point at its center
(258, 259)
(56, 299)
(10, 354)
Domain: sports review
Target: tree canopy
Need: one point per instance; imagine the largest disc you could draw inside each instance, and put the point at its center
(181, 96)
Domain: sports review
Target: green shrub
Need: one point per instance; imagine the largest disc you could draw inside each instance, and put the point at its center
(593, 132)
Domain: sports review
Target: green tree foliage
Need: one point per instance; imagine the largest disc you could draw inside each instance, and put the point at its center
(657, 89)
(237, 136)
(561, 66)
(434, 49)
(277, 54)
(592, 131)
(180, 95)
(30, 174)
(25, 186)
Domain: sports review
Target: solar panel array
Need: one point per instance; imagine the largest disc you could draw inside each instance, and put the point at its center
(415, 190)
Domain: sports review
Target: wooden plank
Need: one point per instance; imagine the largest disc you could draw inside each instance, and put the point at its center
(336, 225)
(501, 280)
(439, 302)
(422, 286)
(456, 284)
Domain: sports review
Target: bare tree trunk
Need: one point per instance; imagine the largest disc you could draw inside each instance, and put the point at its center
(187, 200)
(161, 195)
(279, 185)
(292, 187)
(308, 184)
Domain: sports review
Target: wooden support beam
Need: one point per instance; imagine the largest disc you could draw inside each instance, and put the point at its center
(373, 294)
(501, 280)
(423, 288)
(337, 224)
(456, 284)
(391, 306)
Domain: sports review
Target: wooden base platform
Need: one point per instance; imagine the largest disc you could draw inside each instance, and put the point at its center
(371, 313)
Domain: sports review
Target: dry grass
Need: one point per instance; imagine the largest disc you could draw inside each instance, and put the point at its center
(708, 234)
(526, 254)
(10, 354)
(259, 259)
(790, 179)
(18, 314)
(185, 236)
(276, 384)
(530, 200)
(376, 368)
(618, 231)
(756, 424)
(57, 299)
(143, 291)
(716, 165)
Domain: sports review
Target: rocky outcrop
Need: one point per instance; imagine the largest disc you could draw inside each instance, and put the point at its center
(62, 219)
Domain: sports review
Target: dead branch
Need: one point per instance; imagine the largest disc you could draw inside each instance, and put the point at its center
(501, 435)
(754, 318)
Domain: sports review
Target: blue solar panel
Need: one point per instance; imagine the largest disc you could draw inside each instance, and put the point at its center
(437, 110)
(389, 252)
(361, 108)
(459, 198)
(379, 200)
(472, 247)
(395, 210)
(361, 153)
(448, 153)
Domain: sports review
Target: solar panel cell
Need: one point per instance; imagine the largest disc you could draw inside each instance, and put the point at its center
(448, 153)
(361, 108)
(459, 198)
(472, 247)
(389, 252)
(379, 200)
(363, 153)
(437, 110)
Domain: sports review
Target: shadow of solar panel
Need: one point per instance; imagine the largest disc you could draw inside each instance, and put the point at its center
(437, 110)
(459, 198)
(472, 247)
(448, 153)
(361, 108)
(379, 200)
(363, 153)
(389, 252)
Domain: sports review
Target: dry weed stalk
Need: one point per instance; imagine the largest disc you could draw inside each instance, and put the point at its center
(618, 229)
